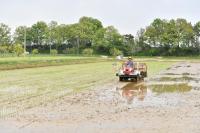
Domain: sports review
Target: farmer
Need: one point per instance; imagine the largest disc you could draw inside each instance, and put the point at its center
(130, 63)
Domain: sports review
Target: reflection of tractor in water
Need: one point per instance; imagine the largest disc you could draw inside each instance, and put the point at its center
(139, 71)
(134, 91)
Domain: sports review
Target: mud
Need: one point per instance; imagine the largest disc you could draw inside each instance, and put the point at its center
(167, 102)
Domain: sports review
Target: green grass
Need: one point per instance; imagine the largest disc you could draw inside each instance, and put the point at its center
(156, 67)
(8, 63)
(168, 58)
(30, 61)
(21, 89)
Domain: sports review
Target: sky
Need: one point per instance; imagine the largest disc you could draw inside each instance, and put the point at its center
(128, 16)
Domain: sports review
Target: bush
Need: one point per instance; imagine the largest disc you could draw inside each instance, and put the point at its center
(35, 51)
(87, 51)
(4, 50)
(69, 51)
(18, 49)
(115, 52)
(54, 52)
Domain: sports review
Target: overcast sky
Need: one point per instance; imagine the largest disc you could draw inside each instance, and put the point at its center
(128, 16)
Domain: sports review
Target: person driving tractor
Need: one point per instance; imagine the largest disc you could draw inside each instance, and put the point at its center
(130, 63)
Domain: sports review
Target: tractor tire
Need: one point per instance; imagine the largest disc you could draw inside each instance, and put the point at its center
(121, 78)
(137, 78)
(145, 74)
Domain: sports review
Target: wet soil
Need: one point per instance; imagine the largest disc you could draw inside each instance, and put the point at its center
(167, 102)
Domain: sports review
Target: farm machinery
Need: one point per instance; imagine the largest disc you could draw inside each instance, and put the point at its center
(138, 72)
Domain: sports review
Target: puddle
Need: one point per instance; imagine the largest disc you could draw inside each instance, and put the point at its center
(142, 94)
(165, 90)
(183, 78)
(185, 73)
(170, 74)
(170, 88)
(134, 91)
(177, 66)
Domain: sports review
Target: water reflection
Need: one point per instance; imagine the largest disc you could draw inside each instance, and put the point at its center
(133, 91)
(158, 91)
(139, 92)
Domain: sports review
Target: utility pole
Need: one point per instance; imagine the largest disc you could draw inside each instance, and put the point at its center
(24, 40)
(133, 45)
(50, 40)
(77, 45)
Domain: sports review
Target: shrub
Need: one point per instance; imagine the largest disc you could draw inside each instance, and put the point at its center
(35, 51)
(54, 52)
(115, 52)
(4, 50)
(11, 48)
(87, 51)
(69, 51)
(18, 49)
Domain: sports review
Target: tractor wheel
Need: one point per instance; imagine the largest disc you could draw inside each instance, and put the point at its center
(121, 78)
(144, 74)
(137, 78)
(126, 79)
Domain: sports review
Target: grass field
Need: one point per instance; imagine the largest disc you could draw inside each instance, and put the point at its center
(8, 63)
(21, 89)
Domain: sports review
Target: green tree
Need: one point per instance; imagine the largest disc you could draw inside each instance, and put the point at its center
(61, 36)
(88, 27)
(107, 38)
(185, 33)
(100, 44)
(130, 44)
(19, 35)
(51, 33)
(81, 35)
(39, 32)
(197, 35)
(155, 32)
(5, 37)
(140, 40)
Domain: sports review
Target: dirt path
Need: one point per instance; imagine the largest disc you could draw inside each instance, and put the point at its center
(168, 102)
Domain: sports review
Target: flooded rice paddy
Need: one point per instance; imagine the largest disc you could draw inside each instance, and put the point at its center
(161, 90)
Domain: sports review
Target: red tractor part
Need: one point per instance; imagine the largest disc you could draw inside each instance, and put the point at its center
(128, 70)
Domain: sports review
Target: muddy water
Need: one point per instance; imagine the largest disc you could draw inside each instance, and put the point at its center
(162, 91)
(134, 91)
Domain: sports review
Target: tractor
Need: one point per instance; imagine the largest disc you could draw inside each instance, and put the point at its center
(136, 73)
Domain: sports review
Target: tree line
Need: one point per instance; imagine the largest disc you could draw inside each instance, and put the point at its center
(170, 37)
(89, 36)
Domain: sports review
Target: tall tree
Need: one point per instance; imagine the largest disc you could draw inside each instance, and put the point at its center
(20, 33)
(106, 39)
(155, 32)
(39, 32)
(129, 44)
(87, 27)
(185, 33)
(197, 35)
(5, 37)
(140, 40)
